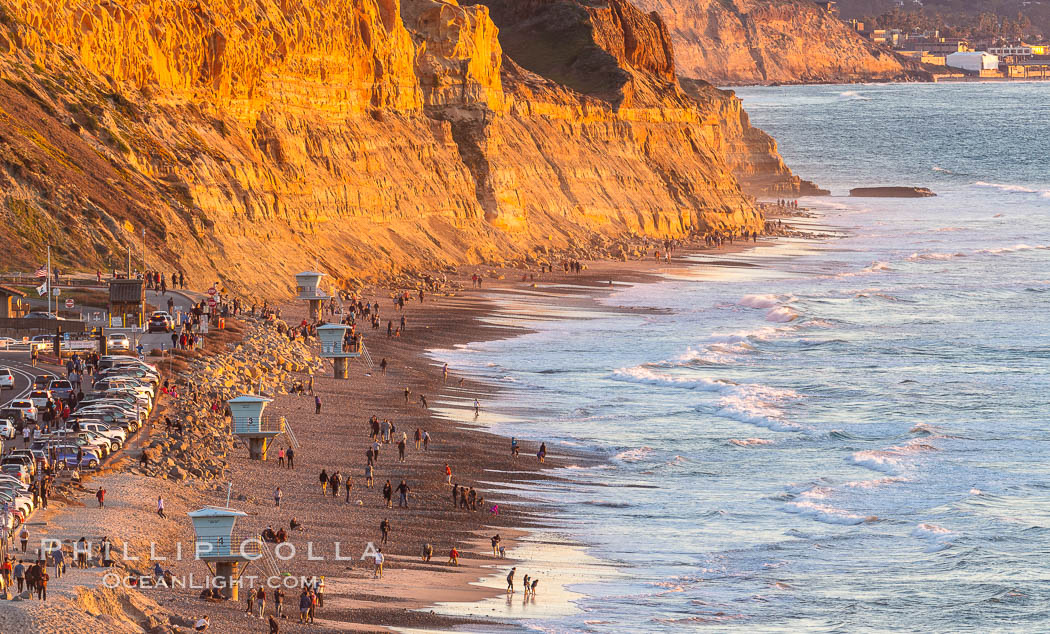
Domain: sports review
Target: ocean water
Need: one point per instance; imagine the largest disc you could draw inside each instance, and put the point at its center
(846, 435)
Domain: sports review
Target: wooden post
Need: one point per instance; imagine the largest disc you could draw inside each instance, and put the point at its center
(341, 367)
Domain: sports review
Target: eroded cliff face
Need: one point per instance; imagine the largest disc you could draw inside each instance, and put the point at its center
(764, 41)
(250, 139)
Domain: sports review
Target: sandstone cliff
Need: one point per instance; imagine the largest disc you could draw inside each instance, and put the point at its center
(246, 140)
(765, 41)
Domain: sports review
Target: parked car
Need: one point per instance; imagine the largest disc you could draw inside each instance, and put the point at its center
(17, 470)
(16, 416)
(113, 360)
(67, 455)
(100, 427)
(132, 372)
(160, 321)
(20, 458)
(7, 379)
(27, 409)
(60, 389)
(118, 341)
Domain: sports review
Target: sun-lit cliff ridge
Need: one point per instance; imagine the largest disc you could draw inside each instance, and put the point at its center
(249, 139)
(731, 42)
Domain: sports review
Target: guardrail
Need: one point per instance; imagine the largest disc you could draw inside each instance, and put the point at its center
(239, 544)
(268, 424)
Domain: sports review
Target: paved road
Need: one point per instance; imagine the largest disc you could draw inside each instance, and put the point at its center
(24, 374)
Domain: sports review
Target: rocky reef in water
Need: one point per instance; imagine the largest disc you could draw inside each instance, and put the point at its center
(246, 140)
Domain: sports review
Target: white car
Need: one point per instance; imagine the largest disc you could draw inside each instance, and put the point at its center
(118, 342)
(40, 398)
(27, 408)
(6, 342)
(7, 429)
(102, 429)
(7, 379)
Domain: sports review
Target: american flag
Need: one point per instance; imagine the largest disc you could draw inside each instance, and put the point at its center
(41, 272)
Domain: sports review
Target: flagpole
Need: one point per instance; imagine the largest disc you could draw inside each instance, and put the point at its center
(49, 279)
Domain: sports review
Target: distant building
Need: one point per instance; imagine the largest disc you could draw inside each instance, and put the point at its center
(924, 56)
(11, 302)
(127, 303)
(830, 7)
(891, 37)
(975, 62)
(942, 45)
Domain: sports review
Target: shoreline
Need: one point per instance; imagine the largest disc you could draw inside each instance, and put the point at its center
(356, 602)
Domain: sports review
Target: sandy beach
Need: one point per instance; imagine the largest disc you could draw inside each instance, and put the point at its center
(339, 534)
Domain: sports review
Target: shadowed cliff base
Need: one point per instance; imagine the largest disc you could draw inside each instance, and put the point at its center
(248, 141)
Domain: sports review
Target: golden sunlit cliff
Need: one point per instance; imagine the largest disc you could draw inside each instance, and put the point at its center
(773, 41)
(246, 140)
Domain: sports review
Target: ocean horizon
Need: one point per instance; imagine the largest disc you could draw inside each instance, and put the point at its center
(842, 434)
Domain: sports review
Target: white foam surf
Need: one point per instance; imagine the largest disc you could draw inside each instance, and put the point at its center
(825, 513)
(937, 537)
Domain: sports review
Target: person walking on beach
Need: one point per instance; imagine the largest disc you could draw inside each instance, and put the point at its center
(100, 495)
(317, 404)
(407, 394)
(160, 506)
(323, 479)
(453, 556)
(277, 495)
(305, 603)
(384, 529)
(401, 449)
(448, 475)
(261, 599)
(423, 401)
(291, 458)
(418, 438)
(477, 408)
(388, 494)
(278, 602)
(377, 572)
(542, 453)
(444, 373)
(496, 539)
(369, 482)
(428, 552)
(426, 440)
(402, 492)
(20, 575)
(23, 537)
(348, 485)
(510, 581)
(455, 494)
(514, 447)
(333, 482)
(280, 457)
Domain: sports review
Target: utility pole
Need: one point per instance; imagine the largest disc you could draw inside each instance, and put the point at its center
(129, 260)
(48, 286)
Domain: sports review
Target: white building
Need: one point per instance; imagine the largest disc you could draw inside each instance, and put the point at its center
(973, 61)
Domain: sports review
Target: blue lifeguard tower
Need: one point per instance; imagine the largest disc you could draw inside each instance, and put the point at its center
(307, 288)
(216, 542)
(334, 346)
(247, 421)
